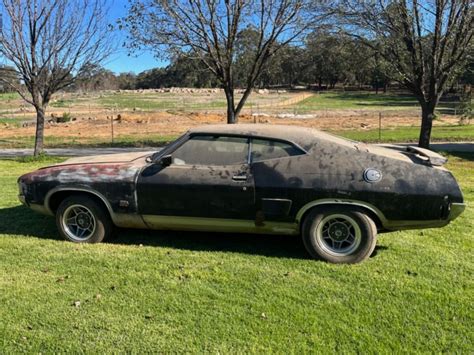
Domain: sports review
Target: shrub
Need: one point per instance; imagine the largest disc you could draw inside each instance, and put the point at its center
(66, 117)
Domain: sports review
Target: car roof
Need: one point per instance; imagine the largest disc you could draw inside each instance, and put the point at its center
(302, 136)
(299, 135)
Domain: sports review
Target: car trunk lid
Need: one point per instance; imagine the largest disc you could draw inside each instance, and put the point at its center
(406, 153)
(431, 157)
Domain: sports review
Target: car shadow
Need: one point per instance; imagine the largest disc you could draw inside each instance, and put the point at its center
(469, 156)
(378, 249)
(255, 244)
(21, 221)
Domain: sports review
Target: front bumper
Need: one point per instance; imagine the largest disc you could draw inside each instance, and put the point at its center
(34, 206)
(456, 209)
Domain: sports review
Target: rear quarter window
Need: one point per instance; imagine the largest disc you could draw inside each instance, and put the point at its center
(266, 149)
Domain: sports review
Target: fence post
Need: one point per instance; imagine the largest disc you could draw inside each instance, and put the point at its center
(380, 126)
(112, 127)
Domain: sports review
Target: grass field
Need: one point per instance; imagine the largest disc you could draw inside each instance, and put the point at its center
(448, 133)
(357, 100)
(155, 102)
(392, 135)
(154, 118)
(366, 100)
(222, 293)
(151, 140)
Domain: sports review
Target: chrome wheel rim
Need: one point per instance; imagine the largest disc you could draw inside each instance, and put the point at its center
(78, 222)
(338, 235)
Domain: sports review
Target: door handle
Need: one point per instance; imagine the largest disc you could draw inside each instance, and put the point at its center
(239, 177)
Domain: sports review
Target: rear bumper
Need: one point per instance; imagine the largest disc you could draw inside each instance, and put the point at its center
(455, 210)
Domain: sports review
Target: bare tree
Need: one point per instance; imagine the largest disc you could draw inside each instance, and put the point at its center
(425, 41)
(209, 30)
(49, 43)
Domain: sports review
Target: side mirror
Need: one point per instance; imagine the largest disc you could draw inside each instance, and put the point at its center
(167, 160)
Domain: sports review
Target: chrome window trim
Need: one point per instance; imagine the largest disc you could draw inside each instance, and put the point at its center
(295, 145)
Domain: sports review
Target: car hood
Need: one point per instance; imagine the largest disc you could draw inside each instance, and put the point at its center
(98, 168)
(106, 158)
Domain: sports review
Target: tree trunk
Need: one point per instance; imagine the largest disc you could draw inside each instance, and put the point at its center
(427, 115)
(40, 113)
(231, 116)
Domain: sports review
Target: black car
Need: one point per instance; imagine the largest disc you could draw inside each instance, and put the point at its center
(338, 194)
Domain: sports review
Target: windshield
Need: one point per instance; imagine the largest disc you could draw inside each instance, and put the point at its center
(168, 148)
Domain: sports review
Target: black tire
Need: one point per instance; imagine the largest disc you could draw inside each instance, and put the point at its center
(100, 226)
(324, 228)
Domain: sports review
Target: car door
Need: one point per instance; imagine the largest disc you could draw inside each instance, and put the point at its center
(209, 177)
(277, 185)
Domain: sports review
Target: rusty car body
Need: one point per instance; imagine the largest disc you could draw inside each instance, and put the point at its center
(267, 179)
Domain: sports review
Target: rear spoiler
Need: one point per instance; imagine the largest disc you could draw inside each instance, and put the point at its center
(431, 157)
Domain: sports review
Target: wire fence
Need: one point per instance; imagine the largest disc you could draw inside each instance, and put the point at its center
(110, 119)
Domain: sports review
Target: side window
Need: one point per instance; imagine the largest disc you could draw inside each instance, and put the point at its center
(264, 149)
(212, 150)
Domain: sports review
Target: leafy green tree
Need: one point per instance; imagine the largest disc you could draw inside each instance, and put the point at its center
(327, 57)
(127, 81)
(95, 78)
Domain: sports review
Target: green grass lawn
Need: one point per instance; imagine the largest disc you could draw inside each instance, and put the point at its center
(454, 133)
(357, 100)
(11, 122)
(448, 133)
(223, 293)
(159, 102)
(366, 100)
(8, 100)
(5, 96)
(150, 140)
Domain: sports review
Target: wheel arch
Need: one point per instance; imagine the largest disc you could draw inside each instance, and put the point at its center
(373, 212)
(56, 196)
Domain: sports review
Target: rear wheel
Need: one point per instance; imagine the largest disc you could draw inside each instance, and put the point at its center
(339, 235)
(81, 220)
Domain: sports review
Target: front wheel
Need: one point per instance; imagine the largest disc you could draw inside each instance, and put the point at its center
(339, 235)
(81, 220)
